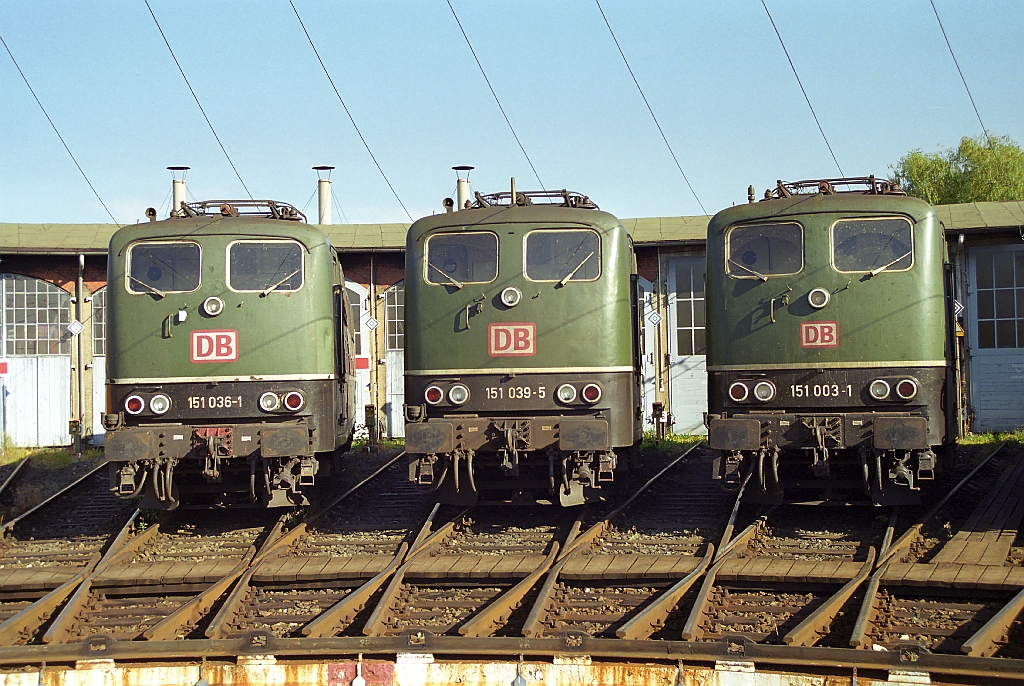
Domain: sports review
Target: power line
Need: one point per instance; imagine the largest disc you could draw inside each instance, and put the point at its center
(649, 108)
(345, 107)
(943, 29)
(208, 122)
(38, 102)
(802, 90)
(481, 67)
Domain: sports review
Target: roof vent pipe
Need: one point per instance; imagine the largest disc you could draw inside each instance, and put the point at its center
(323, 187)
(177, 190)
(462, 187)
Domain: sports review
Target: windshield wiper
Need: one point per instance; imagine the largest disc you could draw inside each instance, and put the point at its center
(274, 287)
(457, 284)
(155, 291)
(743, 266)
(879, 270)
(565, 279)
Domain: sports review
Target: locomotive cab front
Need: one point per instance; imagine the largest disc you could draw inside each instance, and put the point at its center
(829, 356)
(521, 362)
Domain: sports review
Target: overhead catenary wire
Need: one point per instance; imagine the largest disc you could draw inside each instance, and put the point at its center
(54, 126)
(196, 98)
(482, 72)
(802, 89)
(649, 108)
(959, 71)
(345, 107)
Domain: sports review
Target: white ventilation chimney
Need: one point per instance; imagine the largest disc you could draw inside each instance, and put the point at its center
(462, 186)
(177, 190)
(323, 187)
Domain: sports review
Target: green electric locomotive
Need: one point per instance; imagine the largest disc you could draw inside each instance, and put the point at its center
(521, 349)
(229, 377)
(829, 343)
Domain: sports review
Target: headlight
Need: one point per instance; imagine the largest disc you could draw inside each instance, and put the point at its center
(511, 296)
(269, 402)
(159, 403)
(738, 392)
(764, 391)
(133, 404)
(213, 306)
(433, 395)
(293, 401)
(818, 298)
(879, 389)
(566, 393)
(591, 393)
(906, 389)
(458, 394)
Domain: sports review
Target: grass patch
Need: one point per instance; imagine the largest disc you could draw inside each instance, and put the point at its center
(1015, 438)
(384, 444)
(46, 458)
(671, 442)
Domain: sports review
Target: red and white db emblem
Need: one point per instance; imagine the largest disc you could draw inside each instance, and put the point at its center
(819, 335)
(511, 339)
(215, 346)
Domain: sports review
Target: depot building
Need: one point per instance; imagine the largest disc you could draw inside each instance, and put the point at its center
(53, 322)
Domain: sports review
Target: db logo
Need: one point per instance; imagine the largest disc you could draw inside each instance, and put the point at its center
(819, 335)
(511, 339)
(214, 346)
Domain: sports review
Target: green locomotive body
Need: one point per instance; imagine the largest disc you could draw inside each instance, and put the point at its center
(521, 349)
(829, 343)
(229, 378)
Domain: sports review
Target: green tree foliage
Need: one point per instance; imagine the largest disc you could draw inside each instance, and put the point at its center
(986, 168)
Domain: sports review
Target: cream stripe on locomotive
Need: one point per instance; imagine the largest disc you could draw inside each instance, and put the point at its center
(880, 364)
(219, 379)
(517, 370)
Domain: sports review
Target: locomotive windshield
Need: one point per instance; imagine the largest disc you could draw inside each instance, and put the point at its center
(265, 266)
(762, 250)
(872, 245)
(163, 267)
(459, 258)
(563, 255)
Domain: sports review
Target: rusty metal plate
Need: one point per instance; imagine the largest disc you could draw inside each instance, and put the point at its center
(125, 445)
(734, 434)
(429, 437)
(285, 441)
(901, 433)
(583, 434)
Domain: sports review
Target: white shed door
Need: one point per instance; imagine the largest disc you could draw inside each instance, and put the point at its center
(650, 336)
(37, 400)
(688, 376)
(995, 329)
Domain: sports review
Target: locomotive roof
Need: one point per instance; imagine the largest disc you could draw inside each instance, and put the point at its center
(820, 203)
(245, 227)
(26, 238)
(468, 220)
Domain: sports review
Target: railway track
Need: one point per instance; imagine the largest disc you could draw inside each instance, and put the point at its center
(46, 552)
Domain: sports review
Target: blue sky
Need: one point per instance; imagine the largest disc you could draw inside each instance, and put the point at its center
(879, 76)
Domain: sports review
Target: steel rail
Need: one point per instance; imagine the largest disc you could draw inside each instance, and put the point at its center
(74, 484)
(14, 473)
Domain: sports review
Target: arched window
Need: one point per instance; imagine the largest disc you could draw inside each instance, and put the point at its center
(36, 315)
(99, 322)
(355, 310)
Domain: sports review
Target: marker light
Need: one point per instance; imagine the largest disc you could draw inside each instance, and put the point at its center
(133, 404)
(269, 402)
(566, 393)
(433, 395)
(591, 393)
(213, 306)
(764, 391)
(293, 401)
(738, 392)
(879, 389)
(458, 394)
(906, 389)
(818, 298)
(511, 296)
(159, 403)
